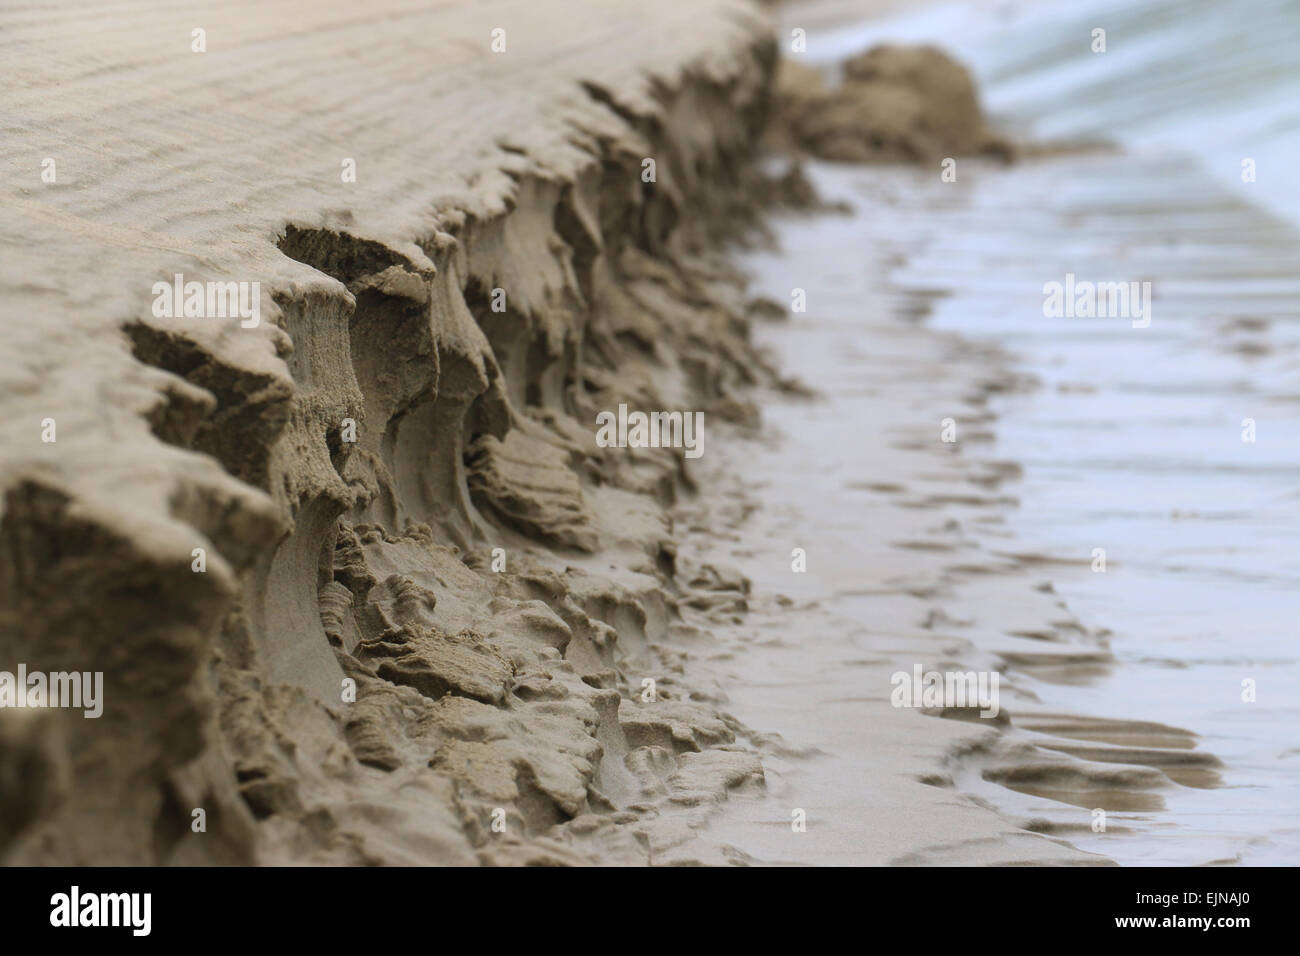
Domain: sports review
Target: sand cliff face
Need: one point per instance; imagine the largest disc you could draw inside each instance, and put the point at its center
(276, 540)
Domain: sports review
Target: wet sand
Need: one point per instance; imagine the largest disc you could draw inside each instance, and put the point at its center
(886, 512)
(1135, 440)
(1124, 728)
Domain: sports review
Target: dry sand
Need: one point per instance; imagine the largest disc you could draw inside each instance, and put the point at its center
(482, 697)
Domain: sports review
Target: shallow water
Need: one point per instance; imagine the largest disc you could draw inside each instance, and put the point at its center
(1133, 442)
(1130, 438)
(1214, 80)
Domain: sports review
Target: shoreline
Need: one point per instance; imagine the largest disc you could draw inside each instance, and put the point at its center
(1139, 441)
(809, 669)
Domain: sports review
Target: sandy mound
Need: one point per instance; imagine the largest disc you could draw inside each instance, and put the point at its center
(894, 104)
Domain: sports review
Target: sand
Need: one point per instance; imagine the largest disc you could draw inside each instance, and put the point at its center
(890, 103)
(363, 587)
(276, 534)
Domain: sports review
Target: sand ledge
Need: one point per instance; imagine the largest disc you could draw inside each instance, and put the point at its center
(490, 705)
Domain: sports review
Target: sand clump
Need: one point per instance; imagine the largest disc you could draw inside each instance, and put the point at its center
(892, 104)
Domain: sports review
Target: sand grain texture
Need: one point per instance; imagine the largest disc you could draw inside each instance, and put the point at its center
(326, 558)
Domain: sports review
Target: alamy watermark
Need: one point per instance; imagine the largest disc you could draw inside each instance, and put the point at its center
(651, 430)
(1088, 300)
(34, 689)
(75, 908)
(948, 689)
(208, 300)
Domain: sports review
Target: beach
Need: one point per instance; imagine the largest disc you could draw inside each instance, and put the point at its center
(613, 434)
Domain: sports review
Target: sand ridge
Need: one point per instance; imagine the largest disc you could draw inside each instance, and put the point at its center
(362, 586)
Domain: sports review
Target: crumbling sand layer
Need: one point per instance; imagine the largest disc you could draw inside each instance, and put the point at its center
(234, 523)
